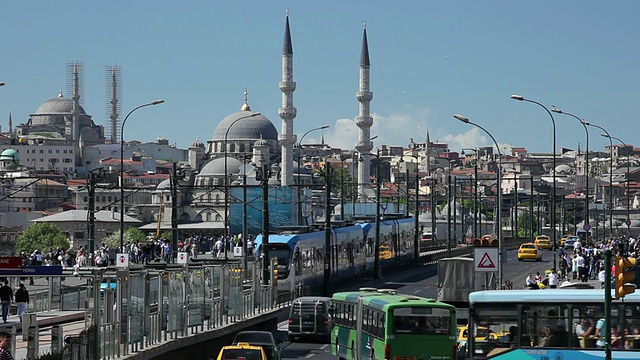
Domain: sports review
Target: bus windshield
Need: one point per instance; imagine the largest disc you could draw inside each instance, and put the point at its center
(421, 321)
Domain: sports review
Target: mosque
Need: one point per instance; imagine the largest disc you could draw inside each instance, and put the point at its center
(243, 145)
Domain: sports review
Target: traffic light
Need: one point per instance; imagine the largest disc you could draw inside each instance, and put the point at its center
(625, 273)
(487, 240)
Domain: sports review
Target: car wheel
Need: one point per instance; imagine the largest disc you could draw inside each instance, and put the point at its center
(519, 259)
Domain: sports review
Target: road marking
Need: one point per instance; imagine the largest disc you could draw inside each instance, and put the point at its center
(308, 356)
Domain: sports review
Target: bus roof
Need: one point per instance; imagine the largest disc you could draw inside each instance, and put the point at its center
(544, 296)
(383, 299)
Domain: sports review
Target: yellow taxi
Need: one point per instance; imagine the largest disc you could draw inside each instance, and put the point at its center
(563, 240)
(482, 333)
(529, 251)
(543, 242)
(242, 351)
(385, 253)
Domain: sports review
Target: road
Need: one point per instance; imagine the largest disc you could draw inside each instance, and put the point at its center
(411, 282)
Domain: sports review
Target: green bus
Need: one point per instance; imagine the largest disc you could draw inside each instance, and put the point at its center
(382, 324)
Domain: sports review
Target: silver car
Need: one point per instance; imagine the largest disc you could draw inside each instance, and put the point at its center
(568, 244)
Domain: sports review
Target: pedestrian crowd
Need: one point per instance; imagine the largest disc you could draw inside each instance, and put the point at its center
(585, 262)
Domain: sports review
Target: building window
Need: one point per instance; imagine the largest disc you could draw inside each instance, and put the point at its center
(78, 235)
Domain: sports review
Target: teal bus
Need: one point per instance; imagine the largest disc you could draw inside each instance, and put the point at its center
(382, 324)
(552, 324)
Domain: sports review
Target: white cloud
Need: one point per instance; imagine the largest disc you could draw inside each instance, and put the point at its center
(397, 129)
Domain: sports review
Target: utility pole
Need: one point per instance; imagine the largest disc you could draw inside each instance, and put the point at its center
(416, 213)
(92, 216)
(327, 231)
(174, 208)
(265, 224)
(245, 230)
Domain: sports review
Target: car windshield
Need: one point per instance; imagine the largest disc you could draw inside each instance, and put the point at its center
(241, 354)
(528, 246)
(254, 338)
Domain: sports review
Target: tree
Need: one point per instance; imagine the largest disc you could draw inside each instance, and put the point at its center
(41, 236)
(131, 236)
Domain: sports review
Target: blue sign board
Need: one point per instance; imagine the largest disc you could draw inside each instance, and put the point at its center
(32, 271)
(280, 208)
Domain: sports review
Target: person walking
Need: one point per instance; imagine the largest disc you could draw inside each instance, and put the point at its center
(6, 295)
(5, 345)
(22, 300)
(553, 279)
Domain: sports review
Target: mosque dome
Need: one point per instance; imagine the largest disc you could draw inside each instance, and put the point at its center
(252, 126)
(215, 167)
(10, 154)
(196, 144)
(58, 105)
(164, 185)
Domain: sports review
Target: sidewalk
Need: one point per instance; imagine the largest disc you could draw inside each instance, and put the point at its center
(73, 324)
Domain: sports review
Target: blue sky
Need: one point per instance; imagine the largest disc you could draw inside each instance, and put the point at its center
(429, 60)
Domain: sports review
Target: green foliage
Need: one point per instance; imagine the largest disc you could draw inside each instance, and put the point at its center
(525, 224)
(43, 237)
(131, 235)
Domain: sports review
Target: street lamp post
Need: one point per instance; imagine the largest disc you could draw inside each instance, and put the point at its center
(553, 189)
(416, 212)
(226, 184)
(300, 217)
(155, 102)
(610, 176)
(502, 249)
(475, 190)
(628, 221)
(586, 225)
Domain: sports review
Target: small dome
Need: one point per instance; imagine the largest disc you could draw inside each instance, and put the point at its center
(252, 125)
(196, 144)
(164, 185)
(563, 168)
(215, 167)
(58, 105)
(10, 154)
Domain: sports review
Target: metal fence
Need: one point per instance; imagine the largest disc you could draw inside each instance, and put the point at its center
(153, 306)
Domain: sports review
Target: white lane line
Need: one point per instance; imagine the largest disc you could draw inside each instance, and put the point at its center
(308, 356)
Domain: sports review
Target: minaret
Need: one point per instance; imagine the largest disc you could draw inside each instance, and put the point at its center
(76, 105)
(10, 123)
(287, 112)
(113, 115)
(364, 119)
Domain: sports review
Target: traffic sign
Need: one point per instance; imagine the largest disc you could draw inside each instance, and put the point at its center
(587, 227)
(628, 222)
(485, 259)
(182, 258)
(122, 260)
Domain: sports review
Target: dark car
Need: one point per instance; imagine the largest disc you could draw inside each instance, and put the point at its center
(263, 339)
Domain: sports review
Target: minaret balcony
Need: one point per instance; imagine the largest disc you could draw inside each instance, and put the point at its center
(287, 86)
(364, 96)
(287, 112)
(362, 121)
